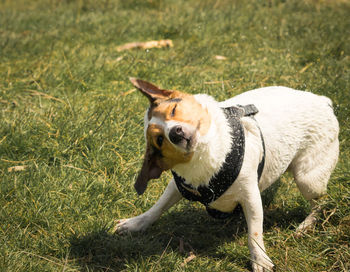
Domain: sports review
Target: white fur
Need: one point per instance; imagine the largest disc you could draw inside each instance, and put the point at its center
(211, 149)
(300, 133)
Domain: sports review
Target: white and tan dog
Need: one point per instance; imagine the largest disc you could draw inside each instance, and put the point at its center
(191, 135)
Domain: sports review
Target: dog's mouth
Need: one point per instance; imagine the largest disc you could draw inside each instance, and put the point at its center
(185, 143)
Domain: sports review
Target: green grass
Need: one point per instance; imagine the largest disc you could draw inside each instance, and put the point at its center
(67, 114)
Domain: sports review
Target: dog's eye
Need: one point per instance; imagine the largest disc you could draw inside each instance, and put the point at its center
(160, 139)
(173, 111)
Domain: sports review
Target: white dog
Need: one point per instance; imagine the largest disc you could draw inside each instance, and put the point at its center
(226, 153)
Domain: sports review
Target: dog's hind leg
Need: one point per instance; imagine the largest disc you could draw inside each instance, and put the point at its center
(311, 219)
(312, 170)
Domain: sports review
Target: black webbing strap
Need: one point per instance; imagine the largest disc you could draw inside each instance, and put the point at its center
(231, 167)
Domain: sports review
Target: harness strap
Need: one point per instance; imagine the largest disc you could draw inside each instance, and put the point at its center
(262, 162)
(231, 167)
(228, 172)
(250, 110)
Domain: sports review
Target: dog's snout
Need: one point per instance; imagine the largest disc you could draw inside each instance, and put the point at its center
(176, 134)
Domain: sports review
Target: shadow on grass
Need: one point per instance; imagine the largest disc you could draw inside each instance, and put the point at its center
(193, 228)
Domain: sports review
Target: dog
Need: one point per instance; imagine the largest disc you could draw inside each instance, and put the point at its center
(226, 153)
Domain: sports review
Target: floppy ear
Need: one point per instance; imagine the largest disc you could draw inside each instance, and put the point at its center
(150, 170)
(151, 91)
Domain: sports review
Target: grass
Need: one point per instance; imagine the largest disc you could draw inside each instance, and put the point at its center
(69, 115)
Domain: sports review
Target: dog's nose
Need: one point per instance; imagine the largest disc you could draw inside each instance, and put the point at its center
(176, 134)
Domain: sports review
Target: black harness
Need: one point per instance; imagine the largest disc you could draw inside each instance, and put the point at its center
(231, 168)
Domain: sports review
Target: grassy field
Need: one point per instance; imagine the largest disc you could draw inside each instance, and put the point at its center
(71, 133)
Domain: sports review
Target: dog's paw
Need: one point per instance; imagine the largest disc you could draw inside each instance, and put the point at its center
(262, 268)
(307, 225)
(134, 224)
(264, 264)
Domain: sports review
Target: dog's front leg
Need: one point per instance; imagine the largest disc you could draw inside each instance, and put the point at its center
(253, 211)
(170, 197)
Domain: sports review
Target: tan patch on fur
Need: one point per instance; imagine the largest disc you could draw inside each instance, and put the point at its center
(188, 110)
(169, 156)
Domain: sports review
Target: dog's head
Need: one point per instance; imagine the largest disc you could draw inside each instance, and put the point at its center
(173, 124)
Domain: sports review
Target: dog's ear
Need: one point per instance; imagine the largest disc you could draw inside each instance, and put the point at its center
(151, 91)
(150, 170)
